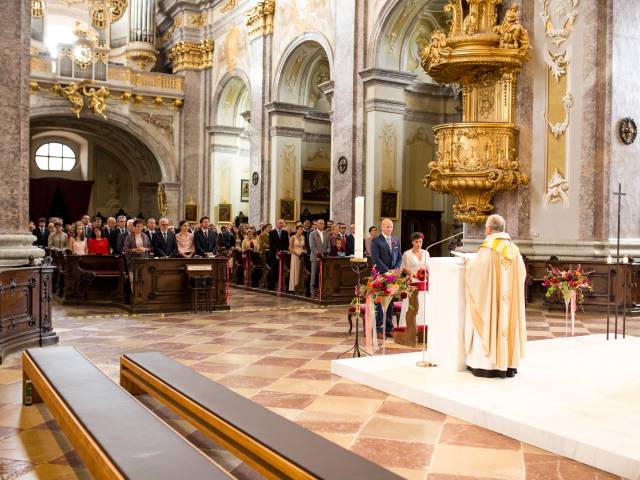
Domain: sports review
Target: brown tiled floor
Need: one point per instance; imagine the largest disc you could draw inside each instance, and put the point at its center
(277, 352)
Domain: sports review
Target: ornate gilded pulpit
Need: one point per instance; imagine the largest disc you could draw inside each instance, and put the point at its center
(478, 157)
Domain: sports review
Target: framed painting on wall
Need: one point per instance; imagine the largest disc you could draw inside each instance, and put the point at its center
(244, 190)
(316, 185)
(288, 209)
(191, 211)
(390, 204)
(224, 212)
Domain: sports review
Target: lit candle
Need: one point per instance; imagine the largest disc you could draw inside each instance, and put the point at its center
(359, 235)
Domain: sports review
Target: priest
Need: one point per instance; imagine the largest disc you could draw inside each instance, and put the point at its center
(495, 329)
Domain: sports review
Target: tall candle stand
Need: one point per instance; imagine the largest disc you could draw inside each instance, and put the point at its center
(357, 265)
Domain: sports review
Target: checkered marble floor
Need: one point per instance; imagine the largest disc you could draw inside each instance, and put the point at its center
(277, 352)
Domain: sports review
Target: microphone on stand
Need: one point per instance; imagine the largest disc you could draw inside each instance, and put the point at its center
(444, 240)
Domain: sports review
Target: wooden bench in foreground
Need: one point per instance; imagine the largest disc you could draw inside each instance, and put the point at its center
(273, 445)
(114, 434)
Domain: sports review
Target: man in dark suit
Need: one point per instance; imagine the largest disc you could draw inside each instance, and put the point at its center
(120, 229)
(108, 228)
(226, 237)
(41, 233)
(351, 240)
(278, 240)
(204, 240)
(164, 241)
(385, 253)
(150, 231)
(123, 236)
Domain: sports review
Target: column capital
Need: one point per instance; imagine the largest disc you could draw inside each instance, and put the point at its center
(191, 56)
(259, 19)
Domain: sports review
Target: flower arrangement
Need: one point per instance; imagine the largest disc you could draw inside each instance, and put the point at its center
(422, 275)
(388, 284)
(567, 282)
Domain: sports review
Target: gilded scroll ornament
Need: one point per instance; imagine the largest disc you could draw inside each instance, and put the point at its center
(557, 190)
(191, 56)
(259, 19)
(118, 7)
(560, 128)
(477, 158)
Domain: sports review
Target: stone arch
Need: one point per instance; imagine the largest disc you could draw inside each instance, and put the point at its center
(394, 34)
(234, 76)
(144, 135)
(311, 45)
(116, 149)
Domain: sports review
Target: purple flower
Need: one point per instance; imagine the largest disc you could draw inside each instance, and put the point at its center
(391, 278)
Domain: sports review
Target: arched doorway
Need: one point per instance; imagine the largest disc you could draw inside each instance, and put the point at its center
(113, 170)
(230, 151)
(300, 121)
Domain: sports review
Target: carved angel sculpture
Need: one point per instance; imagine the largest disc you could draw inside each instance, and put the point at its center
(72, 93)
(435, 50)
(512, 34)
(97, 100)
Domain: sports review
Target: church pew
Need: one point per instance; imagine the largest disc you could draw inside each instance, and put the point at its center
(114, 434)
(276, 447)
(99, 278)
(256, 267)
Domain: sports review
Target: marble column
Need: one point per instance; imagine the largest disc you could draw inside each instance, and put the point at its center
(343, 142)
(259, 195)
(15, 37)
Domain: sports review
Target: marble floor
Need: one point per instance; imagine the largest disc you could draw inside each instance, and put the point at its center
(278, 353)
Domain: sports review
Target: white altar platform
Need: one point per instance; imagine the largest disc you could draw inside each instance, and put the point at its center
(577, 396)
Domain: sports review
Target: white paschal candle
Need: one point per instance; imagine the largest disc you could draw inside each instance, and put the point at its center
(359, 235)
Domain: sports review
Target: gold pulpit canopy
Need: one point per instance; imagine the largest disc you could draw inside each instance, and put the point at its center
(478, 157)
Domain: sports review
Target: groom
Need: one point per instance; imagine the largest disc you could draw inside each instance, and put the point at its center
(385, 253)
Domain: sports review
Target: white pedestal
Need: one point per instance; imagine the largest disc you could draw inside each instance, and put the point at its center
(447, 303)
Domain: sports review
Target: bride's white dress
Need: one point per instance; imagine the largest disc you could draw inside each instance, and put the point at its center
(411, 263)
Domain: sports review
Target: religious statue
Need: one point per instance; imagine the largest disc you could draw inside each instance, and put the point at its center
(436, 50)
(97, 100)
(512, 34)
(162, 200)
(72, 93)
(470, 24)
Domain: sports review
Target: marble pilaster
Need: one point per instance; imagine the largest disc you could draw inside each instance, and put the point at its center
(259, 195)
(194, 167)
(15, 37)
(343, 185)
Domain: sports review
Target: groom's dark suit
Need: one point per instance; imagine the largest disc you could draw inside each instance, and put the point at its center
(386, 256)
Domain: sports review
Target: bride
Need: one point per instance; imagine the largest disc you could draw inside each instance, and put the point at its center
(412, 261)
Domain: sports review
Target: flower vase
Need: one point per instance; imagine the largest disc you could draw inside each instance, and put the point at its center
(569, 297)
(385, 300)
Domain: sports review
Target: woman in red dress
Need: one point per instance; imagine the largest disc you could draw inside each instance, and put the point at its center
(98, 245)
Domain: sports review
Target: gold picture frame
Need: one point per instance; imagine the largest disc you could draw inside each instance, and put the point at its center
(390, 204)
(288, 209)
(223, 213)
(191, 211)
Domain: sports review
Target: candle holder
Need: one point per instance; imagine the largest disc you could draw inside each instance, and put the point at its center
(357, 265)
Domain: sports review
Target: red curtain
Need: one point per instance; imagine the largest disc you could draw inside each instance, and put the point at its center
(74, 193)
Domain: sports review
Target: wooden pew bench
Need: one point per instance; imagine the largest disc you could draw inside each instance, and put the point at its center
(273, 445)
(114, 434)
